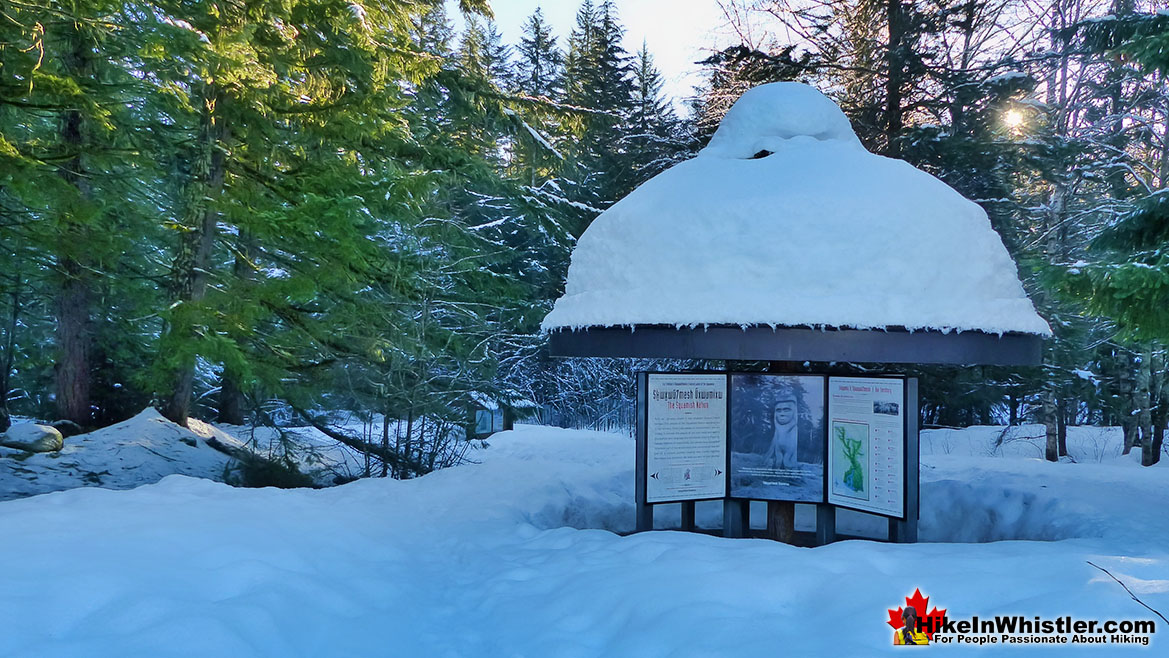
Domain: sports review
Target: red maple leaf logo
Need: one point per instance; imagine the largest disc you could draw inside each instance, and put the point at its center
(930, 622)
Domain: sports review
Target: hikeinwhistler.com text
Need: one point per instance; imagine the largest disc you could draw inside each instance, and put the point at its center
(1018, 629)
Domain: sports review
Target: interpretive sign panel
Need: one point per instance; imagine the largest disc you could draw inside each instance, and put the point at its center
(777, 437)
(483, 425)
(866, 444)
(686, 437)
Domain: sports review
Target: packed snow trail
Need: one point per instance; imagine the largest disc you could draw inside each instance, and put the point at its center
(476, 561)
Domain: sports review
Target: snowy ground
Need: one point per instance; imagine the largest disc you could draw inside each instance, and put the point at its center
(142, 450)
(516, 556)
(148, 447)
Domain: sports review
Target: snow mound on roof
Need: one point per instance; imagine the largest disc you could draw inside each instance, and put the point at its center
(769, 115)
(818, 233)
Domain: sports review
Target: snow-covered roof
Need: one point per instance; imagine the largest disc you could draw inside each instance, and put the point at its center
(819, 232)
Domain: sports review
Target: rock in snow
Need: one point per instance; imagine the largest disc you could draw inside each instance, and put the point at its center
(785, 219)
(32, 438)
(141, 450)
(67, 428)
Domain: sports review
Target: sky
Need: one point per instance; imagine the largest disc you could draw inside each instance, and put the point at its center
(678, 32)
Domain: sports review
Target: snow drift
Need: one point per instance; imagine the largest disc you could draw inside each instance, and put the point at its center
(785, 219)
(141, 450)
(476, 561)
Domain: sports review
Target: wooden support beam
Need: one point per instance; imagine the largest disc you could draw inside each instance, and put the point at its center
(688, 516)
(736, 518)
(781, 521)
(825, 524)
(644, 511)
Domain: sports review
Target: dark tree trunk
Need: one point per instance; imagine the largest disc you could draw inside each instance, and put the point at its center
(1014, 404)
(1061, 429)
(421, 449)
(1128, 419)
(406, 444)
(395, 470)
(9, 354)
(1151, 453)
(74, 337)
(1144, 404)
(74, 299)
(1051, 451)
(1130, 435)
(193, 260)
(231, 399)
(385, 441)
(895, 57)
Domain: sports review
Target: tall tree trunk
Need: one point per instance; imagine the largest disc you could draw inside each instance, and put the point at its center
(1151, 446)
(421, 440)
(964, 94)
(406, 444)
(385, 440)
(1061, 429)
(895, 58)
(1113, 91)
(1128, 409)
(9, 359)
(74, 299)
(193, 260)
(1051, 451)
(395, 468)
(1160, 420)
(1143, 402)
(74, 336)
(232, 397)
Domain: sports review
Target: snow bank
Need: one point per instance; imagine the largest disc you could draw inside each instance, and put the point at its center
(139, 451)
(477, 561)
(819, 232)
(1085, 444)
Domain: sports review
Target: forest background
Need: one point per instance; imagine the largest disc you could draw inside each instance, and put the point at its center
(271, 211)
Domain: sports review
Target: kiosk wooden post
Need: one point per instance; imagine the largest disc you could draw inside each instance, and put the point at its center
(736, 518)
(906, 531)
(688, 515)
(644, 511)
(781, 521)
(825, 524)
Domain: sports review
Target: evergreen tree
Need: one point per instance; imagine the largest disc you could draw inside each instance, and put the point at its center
(732, 71)
(70, 156)
(654, 141)
(539, 63)
(598, 77)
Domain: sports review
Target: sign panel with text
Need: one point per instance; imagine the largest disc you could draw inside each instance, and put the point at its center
(866, 444)
(686, 437)
(777, 437)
